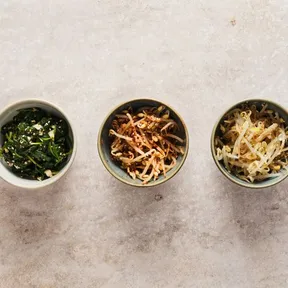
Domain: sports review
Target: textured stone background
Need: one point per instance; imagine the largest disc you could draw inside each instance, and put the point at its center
(91, 231)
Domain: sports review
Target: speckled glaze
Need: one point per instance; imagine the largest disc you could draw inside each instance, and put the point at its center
(104, 143)
(216, 131)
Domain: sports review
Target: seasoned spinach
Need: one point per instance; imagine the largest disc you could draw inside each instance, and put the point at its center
(36, 144)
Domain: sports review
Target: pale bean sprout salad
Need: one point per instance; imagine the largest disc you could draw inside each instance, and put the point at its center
(254, 143)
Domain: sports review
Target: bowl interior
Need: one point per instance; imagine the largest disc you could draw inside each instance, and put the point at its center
(6, 116)
(104, 143)
(216, 132)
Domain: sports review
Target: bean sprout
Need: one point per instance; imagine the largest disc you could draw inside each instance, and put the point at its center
(140, 142)
(253, 144)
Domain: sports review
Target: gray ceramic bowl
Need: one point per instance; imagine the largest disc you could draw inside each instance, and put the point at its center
(104, 142)
(216, 131)
(7, 115)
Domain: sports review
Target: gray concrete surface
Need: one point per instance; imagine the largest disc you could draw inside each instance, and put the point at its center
(90, 230)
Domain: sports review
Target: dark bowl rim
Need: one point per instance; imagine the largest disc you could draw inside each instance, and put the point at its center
(223, 170)
(152, 183)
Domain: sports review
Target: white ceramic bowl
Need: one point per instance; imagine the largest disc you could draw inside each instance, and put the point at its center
(7, 115)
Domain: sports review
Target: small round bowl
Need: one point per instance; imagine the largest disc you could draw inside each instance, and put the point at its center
(7, 115)
(104, 142)
(216, 132)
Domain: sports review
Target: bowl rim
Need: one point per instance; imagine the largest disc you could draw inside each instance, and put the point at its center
(152, 183)
(66, 168)
(222, 169)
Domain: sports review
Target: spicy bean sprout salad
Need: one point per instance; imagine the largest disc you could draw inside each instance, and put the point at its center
(146, 143)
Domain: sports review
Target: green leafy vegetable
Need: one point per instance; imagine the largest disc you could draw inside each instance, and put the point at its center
(36, 144)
